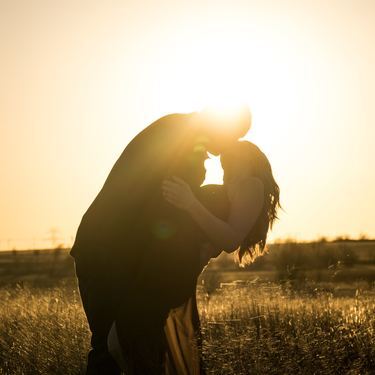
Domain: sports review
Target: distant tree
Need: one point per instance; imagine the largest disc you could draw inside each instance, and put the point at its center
(322, 239)
(341, 238)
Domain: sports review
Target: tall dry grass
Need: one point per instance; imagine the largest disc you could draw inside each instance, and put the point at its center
(258, 329)
(270, 330)
(42, 331)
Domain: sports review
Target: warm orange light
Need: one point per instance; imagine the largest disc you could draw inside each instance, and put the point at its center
(224, 114)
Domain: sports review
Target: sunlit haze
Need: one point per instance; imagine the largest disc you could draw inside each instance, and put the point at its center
(79, 80)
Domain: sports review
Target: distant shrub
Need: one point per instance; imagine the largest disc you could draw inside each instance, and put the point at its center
(291, 260)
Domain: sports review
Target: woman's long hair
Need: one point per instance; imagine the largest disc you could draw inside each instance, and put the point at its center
(244, 158)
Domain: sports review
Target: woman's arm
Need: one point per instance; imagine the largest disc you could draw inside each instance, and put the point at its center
(246, 205)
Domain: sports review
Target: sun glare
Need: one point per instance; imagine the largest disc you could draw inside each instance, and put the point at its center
(223, 71)
(232, 76)
(239, 70)
(258, 68)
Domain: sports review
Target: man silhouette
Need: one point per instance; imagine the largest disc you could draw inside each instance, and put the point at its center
(112, 245)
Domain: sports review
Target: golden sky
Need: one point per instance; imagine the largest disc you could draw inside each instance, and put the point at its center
(78, 79)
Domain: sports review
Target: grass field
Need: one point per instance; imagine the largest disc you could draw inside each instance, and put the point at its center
(254, 325)
(247, 328)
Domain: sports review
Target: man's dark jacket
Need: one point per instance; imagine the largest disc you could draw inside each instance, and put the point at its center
(130, 234)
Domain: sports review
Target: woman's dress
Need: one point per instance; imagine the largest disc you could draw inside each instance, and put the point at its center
(182, 328)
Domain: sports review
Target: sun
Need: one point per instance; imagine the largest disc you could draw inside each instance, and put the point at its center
(225, 73)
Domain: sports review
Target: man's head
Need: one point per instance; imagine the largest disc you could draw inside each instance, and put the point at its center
(221, 129)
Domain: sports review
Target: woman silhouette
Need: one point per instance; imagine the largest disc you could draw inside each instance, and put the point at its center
(234, 216)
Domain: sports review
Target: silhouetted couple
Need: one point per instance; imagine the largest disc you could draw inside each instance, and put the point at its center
(151, 230)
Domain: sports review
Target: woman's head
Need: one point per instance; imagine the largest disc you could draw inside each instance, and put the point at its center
(245, 160)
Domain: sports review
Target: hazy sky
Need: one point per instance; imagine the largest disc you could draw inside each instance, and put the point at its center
(78, 79)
